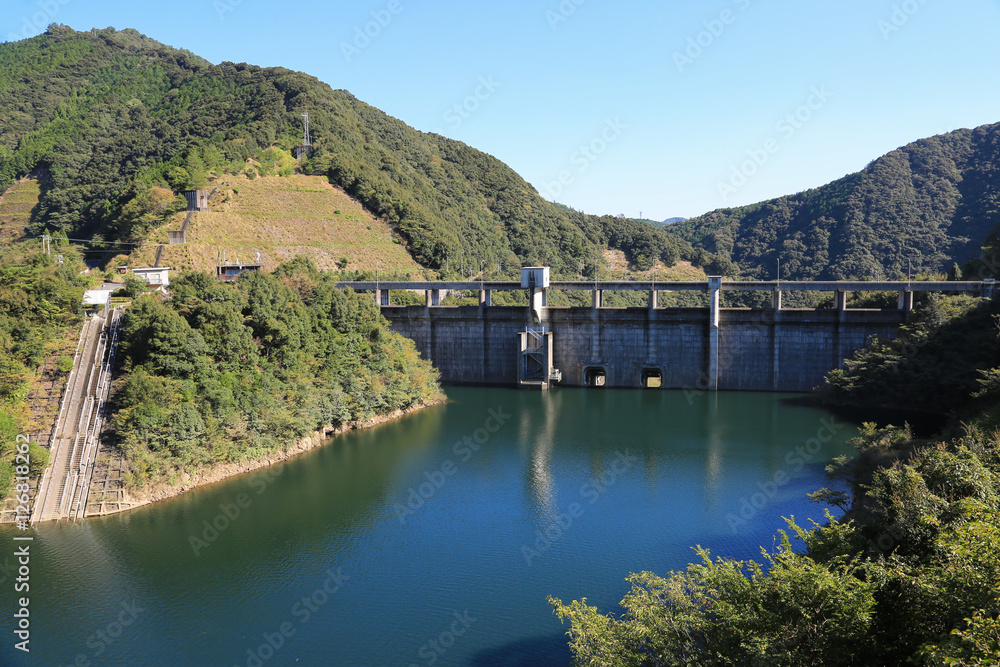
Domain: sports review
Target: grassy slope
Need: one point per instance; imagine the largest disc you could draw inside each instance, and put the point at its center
(682, 270)
(16, 205)
(281, 217)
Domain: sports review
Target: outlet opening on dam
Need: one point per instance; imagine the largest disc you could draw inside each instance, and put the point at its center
(596, 376)
(652, 378)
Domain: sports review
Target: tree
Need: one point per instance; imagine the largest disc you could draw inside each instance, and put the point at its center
(133, 287)
(179, 179)
(194, 166)
(184, 118)
(799, 612)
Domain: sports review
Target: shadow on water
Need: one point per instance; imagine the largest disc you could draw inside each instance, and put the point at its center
(548, 651)
(924, 424)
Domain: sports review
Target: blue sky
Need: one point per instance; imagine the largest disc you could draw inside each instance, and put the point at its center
(660, 108)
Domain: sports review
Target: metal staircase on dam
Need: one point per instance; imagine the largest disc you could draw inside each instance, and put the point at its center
(535, 370)
(533, 356)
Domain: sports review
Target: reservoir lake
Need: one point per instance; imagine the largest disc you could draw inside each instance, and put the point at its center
(431, 540)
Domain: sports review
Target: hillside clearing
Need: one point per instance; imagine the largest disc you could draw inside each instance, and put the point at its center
(281, 218)
(16, 205)
(682, 270)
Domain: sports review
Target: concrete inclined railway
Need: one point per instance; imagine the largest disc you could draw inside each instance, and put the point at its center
(65, 484)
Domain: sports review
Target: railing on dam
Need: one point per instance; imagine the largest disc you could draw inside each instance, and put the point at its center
(676, 285)
(906, 289)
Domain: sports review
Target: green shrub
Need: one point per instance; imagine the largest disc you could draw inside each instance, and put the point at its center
(64, 364)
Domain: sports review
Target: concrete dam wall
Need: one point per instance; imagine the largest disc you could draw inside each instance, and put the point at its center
(765, 350)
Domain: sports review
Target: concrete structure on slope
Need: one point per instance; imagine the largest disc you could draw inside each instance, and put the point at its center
(154, 276)
(65, 485)
(766, 349)
(197, 200)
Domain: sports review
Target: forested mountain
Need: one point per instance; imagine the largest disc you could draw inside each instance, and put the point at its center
(106, 116)
(933, 202)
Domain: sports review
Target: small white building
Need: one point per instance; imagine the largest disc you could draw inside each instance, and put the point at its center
(155, 276)
(96, 298)
(535, 276)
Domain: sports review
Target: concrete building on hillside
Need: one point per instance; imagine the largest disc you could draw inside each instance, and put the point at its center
(154, 276)
(197, 200)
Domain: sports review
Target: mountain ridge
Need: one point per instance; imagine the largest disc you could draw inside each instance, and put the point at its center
(932, 202)
(112, 114)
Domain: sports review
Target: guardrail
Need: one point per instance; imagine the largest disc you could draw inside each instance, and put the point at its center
(675, 285)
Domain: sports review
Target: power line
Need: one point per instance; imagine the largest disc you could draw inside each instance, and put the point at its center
(129, 243)
(58, 238)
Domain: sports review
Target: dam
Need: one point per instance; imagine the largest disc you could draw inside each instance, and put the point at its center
(701, 349)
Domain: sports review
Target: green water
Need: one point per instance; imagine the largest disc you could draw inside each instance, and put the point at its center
(431, 540)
